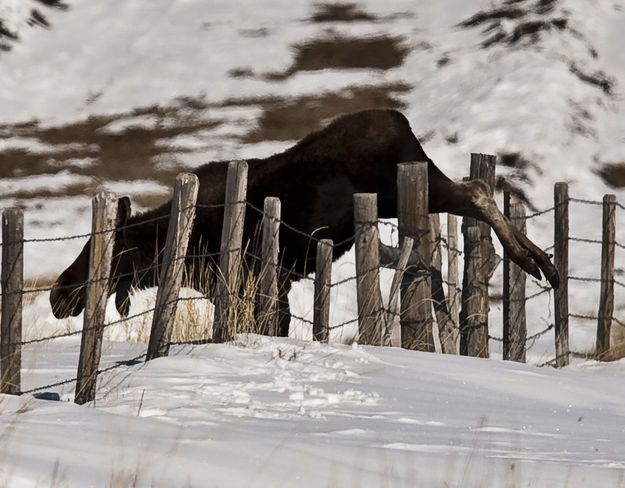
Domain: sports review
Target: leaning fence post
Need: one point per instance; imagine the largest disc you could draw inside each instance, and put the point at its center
(413, 216)
(561, 262)
(268, 286)
(368, 295)
(102, 241)
(446, 327)
(180, 224)
(606, 300)
(323, 276)
(391, 320)
(453, 285)
(515, 326)
(472, 320)
(230, 251)
(12, 287)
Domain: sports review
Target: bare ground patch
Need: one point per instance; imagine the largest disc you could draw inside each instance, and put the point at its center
(613, 174)
(293, 118)
(111, 155)
(340, 12)
(131, 146)
(338, 52)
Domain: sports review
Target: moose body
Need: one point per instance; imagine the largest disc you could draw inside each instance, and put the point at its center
(315, 181)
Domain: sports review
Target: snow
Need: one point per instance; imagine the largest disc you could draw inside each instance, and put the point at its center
(278, 412)
(281, 412)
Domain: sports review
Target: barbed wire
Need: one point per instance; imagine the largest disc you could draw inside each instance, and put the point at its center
(439, 240)
(584, 201)
(127, 362)
(536, 214)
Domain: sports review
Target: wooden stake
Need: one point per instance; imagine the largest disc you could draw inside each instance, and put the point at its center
(12, 288)
(180, 224)
(392, 314)
(483, 168)
(606, 300)
(447, 330)
(472, 296)
(561, 262)
(268, 286)
(368, 294)
(102, 241)
(230, 259)
(453, 285)
(323, 276)
(514, 338)
(413, 215)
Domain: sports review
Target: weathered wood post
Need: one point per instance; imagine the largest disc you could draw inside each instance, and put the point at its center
(483, 168)
(268, 286)
(393, 299)
(515, 326)
(12, 288)
(104, 207)
(413, 216)
(561, 262)
(180, 224)
(368, 293)
(453, 284)
(472, 320)
(606, 300)
(446, 327)
(323, 277)
(230, 259)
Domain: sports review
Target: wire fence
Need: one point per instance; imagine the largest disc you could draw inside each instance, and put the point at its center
(291, 272)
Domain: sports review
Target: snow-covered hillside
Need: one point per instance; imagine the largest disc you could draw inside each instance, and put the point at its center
(125, 94)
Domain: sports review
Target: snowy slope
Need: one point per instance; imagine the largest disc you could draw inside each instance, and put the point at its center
(269, 412)
(197, 81)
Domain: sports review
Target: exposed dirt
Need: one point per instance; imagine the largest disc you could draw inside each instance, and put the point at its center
(598, 79)
(126, 154)
(291, 119)
(340, 12)
(613, 174)
(37, 18)
(338, 52)
(531, 18)
(133, 151)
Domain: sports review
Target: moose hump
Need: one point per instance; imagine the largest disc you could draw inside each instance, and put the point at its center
(315, 181)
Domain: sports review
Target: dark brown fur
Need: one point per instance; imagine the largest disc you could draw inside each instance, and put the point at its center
(315, 181)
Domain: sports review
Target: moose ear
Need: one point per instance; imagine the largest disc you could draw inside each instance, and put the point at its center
(123, 211)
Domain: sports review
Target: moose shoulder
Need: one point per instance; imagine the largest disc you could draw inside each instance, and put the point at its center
(315, 181)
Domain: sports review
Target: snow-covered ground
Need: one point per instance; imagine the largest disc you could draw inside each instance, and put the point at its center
(197, 81)
(272, 412)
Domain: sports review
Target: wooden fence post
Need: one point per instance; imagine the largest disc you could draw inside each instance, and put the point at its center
(392, 313)
(447, 331)
(102, 241)
(368, 293)
(472, 320)
(12, 288)
(413, 215)
(515, 326)
(483, 168)
(606, 300)
(323, 277)
(170, 278)
(230, 259)
(453, 285)
(561, 262)
(268, 286)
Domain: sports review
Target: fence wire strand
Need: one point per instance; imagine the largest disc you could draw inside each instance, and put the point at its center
(440, 240)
